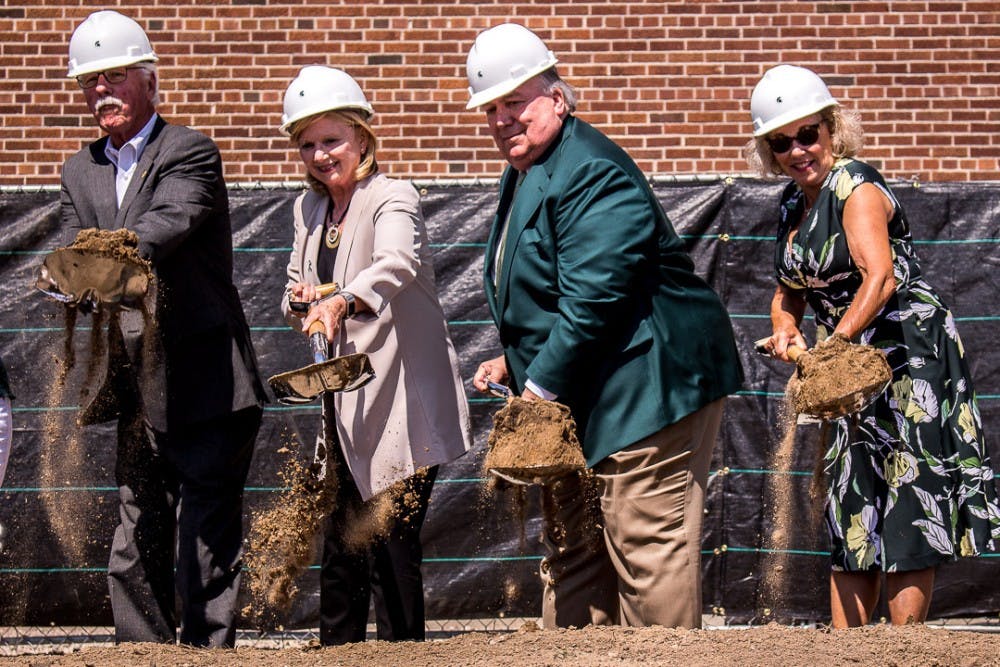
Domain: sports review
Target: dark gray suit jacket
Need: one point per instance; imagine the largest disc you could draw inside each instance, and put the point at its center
(193, 361)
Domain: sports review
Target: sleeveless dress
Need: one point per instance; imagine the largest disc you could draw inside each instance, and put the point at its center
(909, 478)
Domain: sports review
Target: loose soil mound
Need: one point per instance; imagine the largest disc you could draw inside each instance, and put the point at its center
(534, 438)
(874, 646)
(836, 378)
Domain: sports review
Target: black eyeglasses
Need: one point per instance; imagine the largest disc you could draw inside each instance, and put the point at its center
(116, 75)
(806, 136)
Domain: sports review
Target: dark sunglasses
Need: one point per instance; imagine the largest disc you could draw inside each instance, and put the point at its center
(806, 136)
(116, 75)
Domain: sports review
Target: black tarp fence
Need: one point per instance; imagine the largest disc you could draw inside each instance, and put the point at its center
(481, 559)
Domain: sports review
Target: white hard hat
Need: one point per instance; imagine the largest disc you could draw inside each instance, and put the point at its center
(105, 40)
(786, 93)
(501, 59)
(318, 88)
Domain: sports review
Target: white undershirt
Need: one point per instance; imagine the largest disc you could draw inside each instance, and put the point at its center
(127, 157)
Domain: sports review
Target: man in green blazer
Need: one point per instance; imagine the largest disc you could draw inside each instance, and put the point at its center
(597, 306)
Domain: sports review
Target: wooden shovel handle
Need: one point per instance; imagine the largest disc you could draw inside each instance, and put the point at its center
(317, 327)
(794, 352)
(326, 289)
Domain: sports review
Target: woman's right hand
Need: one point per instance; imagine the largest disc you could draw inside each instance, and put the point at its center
(787, 308)
(303, 292)
(494, 370)
(782, 339)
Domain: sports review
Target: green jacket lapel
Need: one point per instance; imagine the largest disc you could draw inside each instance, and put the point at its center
(529, 198)
(507, 183)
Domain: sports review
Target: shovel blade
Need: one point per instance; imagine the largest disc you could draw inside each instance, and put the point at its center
(530, 475)
(304, 385)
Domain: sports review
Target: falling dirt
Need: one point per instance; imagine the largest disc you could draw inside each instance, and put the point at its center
(780, 508)
(838, 378)
(64, 460)
(873, 646)
(281, 542)
(374, 519)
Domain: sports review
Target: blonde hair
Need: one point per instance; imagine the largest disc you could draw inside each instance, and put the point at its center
(846, 135)
(352, 118)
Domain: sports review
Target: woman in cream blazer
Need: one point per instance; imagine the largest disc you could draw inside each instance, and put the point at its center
(365, 232)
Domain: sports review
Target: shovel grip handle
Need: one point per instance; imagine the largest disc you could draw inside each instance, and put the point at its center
(793, 351)
(326, 289)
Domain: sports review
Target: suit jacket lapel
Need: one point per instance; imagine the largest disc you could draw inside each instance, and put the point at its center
(103, 194)
(141, 172)
(314, 219)
(356, 210)
(507, 184)
(528, 199)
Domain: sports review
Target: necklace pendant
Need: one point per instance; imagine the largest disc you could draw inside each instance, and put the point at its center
(332, 237)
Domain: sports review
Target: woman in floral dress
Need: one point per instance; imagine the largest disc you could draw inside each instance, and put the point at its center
(909, 482)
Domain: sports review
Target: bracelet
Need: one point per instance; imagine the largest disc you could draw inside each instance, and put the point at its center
(351, 303)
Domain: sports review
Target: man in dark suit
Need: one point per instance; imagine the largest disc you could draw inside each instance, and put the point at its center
(598, 306)
(182, 377)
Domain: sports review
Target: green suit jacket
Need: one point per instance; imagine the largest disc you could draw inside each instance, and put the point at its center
(597, 300)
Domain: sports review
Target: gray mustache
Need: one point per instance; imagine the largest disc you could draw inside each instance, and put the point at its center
(108, 101)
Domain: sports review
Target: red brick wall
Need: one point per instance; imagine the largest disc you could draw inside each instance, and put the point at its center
(669, 80)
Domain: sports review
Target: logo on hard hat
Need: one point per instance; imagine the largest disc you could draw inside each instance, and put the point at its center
(779, 100)
(97, 43)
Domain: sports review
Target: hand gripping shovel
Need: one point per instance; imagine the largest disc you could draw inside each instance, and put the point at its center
(347, 373)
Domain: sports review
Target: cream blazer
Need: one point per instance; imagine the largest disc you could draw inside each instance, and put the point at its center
(414, 413)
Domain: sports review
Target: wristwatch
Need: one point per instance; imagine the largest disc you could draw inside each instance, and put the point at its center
(351, 303)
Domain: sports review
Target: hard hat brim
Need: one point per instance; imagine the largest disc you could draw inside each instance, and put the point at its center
(500, 89)
(287, 124)
(792, 116)
(109, 63)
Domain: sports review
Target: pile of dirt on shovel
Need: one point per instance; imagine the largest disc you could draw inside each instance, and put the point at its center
(119, 244)
(533, 434)
(833, 376)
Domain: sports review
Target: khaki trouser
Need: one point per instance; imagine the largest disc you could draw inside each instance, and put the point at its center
(647, 568)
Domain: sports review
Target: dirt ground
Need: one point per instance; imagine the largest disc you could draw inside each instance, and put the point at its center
(880, 645)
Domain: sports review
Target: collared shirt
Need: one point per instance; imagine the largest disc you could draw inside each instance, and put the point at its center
(127, 157)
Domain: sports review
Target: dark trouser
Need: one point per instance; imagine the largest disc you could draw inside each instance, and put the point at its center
(389, 569)
(183, 490)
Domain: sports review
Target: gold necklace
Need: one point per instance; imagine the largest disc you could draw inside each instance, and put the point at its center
(332, 237)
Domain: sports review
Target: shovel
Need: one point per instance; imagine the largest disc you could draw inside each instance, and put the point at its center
(853, 394)
(304, 385)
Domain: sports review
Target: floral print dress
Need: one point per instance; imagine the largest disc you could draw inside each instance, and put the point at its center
(909, 479)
